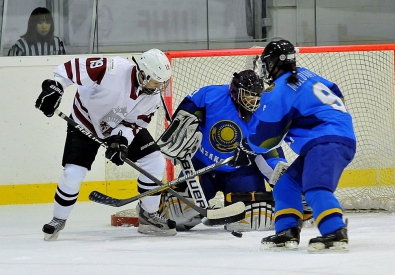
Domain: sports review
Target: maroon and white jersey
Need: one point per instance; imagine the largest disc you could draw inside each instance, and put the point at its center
(108, 98)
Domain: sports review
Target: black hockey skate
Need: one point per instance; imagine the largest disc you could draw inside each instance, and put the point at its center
(334, 242)
(51, 229)
(285, 240)
(155, 224)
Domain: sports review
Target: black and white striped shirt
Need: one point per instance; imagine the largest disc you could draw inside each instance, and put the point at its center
(22, 48)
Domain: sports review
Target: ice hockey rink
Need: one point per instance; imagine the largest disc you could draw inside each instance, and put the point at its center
(90, 245)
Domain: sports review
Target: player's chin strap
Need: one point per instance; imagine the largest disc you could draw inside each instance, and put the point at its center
(145, 80)
(219, 216)
(188, 124)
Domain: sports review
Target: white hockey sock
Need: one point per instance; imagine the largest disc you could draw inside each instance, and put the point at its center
(67, 190)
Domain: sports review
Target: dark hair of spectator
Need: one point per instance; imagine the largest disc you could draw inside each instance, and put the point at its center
(38, 15)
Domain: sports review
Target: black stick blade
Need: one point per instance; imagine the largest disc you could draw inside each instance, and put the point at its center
(98, 197)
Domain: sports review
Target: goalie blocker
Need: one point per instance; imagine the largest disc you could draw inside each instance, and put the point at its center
(182, 138)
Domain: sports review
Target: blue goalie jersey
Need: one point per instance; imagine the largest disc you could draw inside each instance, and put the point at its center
(303, 114)
(221, 126)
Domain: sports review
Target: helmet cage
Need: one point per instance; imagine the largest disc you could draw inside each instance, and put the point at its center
(249, 100)
(245, 90)
(151, 91)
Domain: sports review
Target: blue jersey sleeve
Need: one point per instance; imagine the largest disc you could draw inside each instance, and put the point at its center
(274, 156)
(194, 103)
(187, 105)
(303, 114)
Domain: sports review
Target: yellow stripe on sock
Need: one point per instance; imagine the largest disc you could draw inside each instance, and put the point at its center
(327, 213)
(288, 211)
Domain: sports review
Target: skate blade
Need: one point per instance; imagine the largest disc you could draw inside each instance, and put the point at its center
(319, 248)
(153, 231)
(287, 246)
(51, 237)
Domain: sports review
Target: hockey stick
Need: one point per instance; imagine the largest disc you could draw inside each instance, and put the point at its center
(278, 171)
(193, 184)
(99, 197)
(187, 168)
(218, 216)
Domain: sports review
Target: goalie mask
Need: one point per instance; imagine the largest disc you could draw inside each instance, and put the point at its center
(245, 90)
(278, 55)
(153, 71)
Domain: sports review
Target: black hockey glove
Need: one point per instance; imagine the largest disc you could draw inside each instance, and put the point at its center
(243, 155)
(50, 97)
(117, 150)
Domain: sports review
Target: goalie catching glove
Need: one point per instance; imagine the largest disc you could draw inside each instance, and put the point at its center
(50, 97)
(182, 138)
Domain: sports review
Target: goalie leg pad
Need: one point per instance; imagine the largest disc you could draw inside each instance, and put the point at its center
(259, 207)
(259, 216)
(176, 210)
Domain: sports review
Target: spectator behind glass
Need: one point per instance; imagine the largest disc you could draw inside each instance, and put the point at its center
(39, 38)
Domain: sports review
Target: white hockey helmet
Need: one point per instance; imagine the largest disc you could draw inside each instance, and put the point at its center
(154, 65)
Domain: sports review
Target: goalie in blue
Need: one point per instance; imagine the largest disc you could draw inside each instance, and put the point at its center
(223, 115)
(308, 112)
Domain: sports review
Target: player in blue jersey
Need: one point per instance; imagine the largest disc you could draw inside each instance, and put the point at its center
(307, 111)
(225, 115)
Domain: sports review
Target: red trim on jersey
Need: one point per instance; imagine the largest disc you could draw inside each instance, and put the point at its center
(77, 70)
(77, 97)
(83, 119)
(135, 128)
(145, 118)
(133, 94)
(96, 68)
(69, 71)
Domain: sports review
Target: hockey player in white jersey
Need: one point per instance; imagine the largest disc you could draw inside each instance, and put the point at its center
(115, 101)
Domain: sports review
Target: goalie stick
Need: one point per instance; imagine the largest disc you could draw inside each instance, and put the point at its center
(187, 168)
(218, 216)
(99, 197)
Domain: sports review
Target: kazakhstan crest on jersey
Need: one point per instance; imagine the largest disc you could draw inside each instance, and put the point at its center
(225, 135)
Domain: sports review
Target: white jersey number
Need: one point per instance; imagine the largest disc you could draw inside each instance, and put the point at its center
(96, 63)
(326, 96)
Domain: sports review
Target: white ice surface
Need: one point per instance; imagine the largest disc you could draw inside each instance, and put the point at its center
(90, 245)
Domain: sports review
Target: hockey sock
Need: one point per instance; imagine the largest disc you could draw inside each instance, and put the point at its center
(328, 214)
